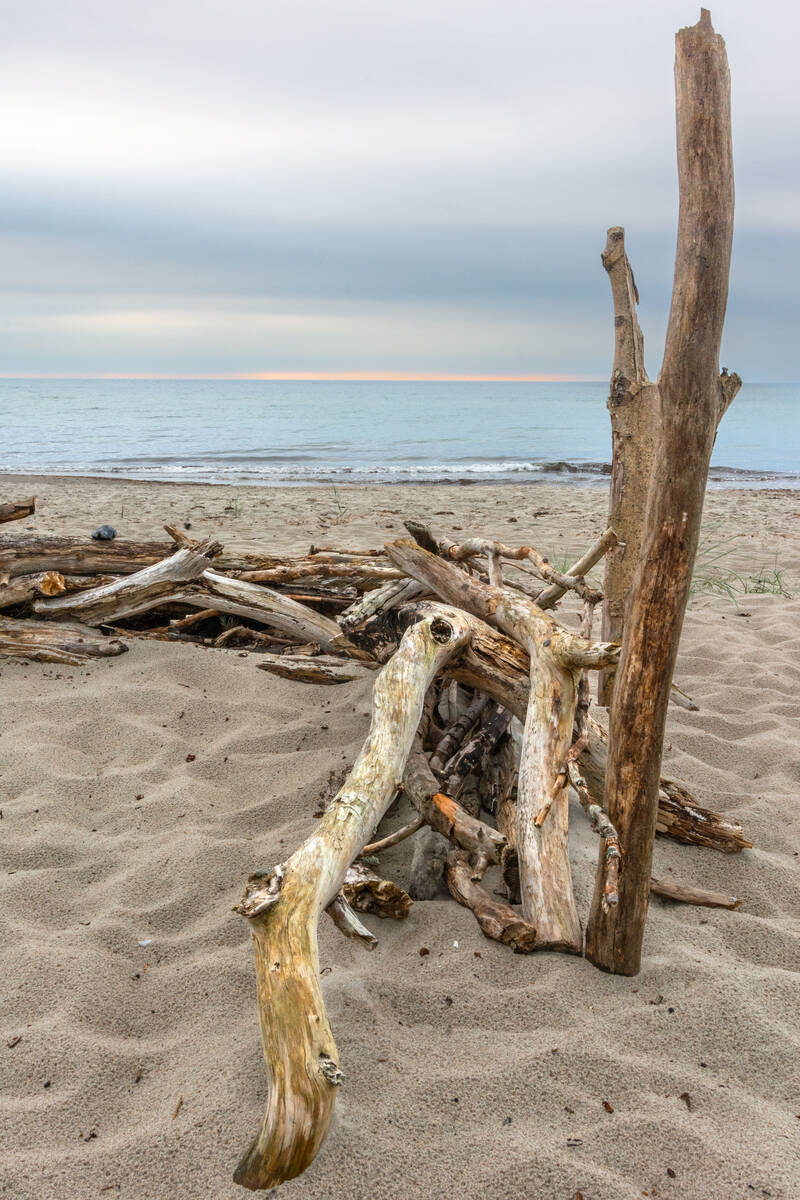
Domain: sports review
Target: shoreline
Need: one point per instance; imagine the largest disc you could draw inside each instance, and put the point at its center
(569, 479)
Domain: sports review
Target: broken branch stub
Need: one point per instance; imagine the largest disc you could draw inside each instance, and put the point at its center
(284, 906)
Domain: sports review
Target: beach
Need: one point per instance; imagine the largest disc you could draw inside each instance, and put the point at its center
(138, 794)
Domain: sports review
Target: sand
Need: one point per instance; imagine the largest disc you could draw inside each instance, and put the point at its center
(470, 1071)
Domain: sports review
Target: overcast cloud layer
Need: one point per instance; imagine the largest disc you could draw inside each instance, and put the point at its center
(370, 186)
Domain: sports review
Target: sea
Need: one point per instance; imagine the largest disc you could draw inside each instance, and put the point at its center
(320, 432)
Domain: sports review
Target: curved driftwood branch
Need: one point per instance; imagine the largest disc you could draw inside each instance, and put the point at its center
(133, 593)
(500, 607)
(556, 656)
(494, 664)
(284, 906)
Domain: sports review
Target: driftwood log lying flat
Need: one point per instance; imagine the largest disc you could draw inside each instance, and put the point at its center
(321, 668)
(65, 643)
(16, 510)
(284, 904)
(684, 893)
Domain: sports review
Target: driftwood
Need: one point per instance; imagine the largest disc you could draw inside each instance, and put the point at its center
(69, 644)
(133, 593)
(686, 894)
(556, 659)
(497, 920)
(368, 893)
(24, 588)
(284, 906)
(320, 668)
(17, 510)
(633, 406)
(31, 554)
(693, 399)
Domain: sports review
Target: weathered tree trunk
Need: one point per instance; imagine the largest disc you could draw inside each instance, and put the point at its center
(633, 405)
(68, 644)
(693, 399)
(284, 906)
(17, 510)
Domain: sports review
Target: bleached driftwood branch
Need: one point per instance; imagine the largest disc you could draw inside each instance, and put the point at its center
(284, 906)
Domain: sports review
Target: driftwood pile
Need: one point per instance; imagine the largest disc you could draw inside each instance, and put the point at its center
(481, 716)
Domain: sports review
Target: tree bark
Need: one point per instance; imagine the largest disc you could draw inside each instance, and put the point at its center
(284, 906)
(693, 400)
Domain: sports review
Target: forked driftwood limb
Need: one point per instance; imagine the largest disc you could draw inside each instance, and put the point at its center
(556, 659)
(693, 398)
(284, 906)
(16, 510)
(66, 643)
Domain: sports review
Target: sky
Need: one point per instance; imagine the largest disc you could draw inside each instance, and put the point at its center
(372, 188)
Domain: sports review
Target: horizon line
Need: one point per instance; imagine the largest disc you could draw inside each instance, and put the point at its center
(322, 376)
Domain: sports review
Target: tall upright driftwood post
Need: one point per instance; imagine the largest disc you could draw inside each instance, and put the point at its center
(693, 399)
(633, 407)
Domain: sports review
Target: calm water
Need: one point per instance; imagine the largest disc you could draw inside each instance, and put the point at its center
(276, 432)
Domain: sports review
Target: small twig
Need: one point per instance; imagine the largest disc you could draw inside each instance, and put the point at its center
(601, 824)
(177, 1107)
(399, 835)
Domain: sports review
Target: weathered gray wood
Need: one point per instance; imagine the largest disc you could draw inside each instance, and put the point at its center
(136, 593)
(556, 657)
(693, 399)
(684, 893)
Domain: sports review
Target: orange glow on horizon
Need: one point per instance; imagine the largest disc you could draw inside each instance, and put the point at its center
(333, 376)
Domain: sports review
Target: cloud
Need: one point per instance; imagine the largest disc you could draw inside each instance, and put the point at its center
(408, 185)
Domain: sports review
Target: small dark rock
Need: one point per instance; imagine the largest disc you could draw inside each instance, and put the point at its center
(104, 533)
